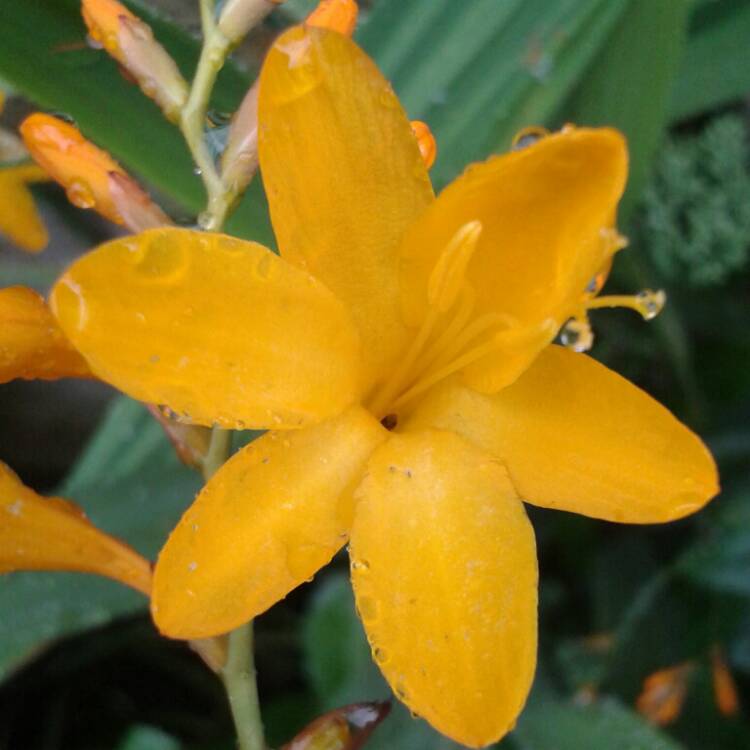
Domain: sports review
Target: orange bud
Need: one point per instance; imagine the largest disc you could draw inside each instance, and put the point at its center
(79, 166)
(336, 15)
(39, 533)
(239, 16)
(426, 141)
(102, 18)
(346, 728)
(725, 691)
(32, 345)
(239, 162)
(664, 693)
(134, 205)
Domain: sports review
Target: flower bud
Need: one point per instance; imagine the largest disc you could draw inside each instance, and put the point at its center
(346, 728)
(102, 18)
(240, 16)
(134, 205)
(336, 15)
(130, 41)
(77, 164)
(239, 162)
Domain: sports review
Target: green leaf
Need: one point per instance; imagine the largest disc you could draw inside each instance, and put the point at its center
(477, 73)
(630, 83)
(712, 72)
(720, 560)
(43, 55)
(130, 484)
(148, 738)
(550, 724)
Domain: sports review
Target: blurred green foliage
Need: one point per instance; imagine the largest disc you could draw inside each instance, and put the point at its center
(672, 75)
(696, 213)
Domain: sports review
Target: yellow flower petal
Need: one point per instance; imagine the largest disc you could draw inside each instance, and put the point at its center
(77, 164)
(32, 346)
(578, 437)
(344, 176)
(220, 330)
(273, 515)
(546, 213)
(19, 218)
(39, 533)
(445, 576)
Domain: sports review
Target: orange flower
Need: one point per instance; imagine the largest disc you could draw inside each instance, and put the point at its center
(19, 218)
(32, 346)
(399, 352)
(39, 533)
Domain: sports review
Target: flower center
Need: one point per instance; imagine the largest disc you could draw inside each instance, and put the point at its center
(448, 339)
(451, 338)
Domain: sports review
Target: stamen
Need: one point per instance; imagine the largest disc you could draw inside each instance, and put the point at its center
(466, 301)
(648, 303)
(480, 326)
(427, 382)
(448, 275)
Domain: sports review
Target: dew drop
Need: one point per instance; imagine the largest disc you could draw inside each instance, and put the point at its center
(163, 261)
(528, 137)
(577, 335)
(80, 194)
(380, 655)
(367, 608)
(650, 303)
(263, 268)
(360, 565)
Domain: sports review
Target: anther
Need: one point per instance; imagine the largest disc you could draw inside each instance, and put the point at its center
(648, 303)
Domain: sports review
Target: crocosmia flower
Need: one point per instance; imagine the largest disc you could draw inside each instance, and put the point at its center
(399, 351)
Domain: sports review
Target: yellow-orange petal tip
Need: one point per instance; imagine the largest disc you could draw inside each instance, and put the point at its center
(336, 15)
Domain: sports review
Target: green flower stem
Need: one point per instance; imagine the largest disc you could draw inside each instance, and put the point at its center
(238, 674)
(239, 681)
(219, 449)
(193, 117)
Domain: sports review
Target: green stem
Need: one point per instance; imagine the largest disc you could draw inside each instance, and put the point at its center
(193, 117)
(239, 681)
(218, 452)
(238, 674)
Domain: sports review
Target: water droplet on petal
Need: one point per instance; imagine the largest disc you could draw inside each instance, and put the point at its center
(367, 608)
(80, 194)
(577, 335)
(650, 303)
